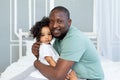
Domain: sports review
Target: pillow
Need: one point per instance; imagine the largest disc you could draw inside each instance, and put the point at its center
(29, 44)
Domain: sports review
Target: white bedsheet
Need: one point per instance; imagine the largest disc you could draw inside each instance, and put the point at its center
(22, 67)
(111, 69)
(19, 70)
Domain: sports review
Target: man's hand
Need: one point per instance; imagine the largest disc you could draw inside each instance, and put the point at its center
(36, 62)
(35, 49)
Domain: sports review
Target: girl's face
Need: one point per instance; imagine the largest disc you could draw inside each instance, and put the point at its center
(45, 36)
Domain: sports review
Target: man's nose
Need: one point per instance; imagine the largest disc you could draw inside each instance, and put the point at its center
(55, 25)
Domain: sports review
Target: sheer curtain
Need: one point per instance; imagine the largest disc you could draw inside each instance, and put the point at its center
(107, 23)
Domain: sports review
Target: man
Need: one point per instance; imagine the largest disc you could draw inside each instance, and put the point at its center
(76, 51)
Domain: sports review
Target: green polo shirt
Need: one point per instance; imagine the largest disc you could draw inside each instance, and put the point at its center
(78, 48)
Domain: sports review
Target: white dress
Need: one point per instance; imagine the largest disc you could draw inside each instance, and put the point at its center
(45, 50)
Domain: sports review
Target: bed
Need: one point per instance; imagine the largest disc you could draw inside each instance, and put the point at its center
(24, 66)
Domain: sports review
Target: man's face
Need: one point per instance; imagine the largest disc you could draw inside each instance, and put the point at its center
(59, 24)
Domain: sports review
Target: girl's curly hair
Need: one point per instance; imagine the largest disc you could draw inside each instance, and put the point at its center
(36, 29)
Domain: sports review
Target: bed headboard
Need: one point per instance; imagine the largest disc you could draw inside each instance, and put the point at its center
(22, 34)
(93, 37)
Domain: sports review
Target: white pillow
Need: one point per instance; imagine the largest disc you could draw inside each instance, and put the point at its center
(29, 44)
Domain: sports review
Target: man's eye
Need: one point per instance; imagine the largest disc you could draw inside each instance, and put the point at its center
(59, 21)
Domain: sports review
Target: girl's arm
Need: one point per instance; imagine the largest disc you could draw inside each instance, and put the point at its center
(50, 60)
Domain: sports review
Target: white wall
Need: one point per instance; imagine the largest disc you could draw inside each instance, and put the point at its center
(4, 34)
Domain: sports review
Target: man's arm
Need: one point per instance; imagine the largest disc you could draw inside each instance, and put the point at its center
(59, 72)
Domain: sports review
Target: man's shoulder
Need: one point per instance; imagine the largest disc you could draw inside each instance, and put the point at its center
(73, 31)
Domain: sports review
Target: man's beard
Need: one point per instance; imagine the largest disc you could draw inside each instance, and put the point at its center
(61, 36)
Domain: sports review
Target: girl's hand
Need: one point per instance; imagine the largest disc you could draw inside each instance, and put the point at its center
(72, 76)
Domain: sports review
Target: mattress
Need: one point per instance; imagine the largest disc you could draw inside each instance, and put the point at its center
(24, 66)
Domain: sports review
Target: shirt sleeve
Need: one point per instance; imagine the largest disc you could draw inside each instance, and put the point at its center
(45, 50)
(48, 50)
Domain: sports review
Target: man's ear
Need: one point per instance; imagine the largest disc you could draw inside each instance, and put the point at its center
(69, 22)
